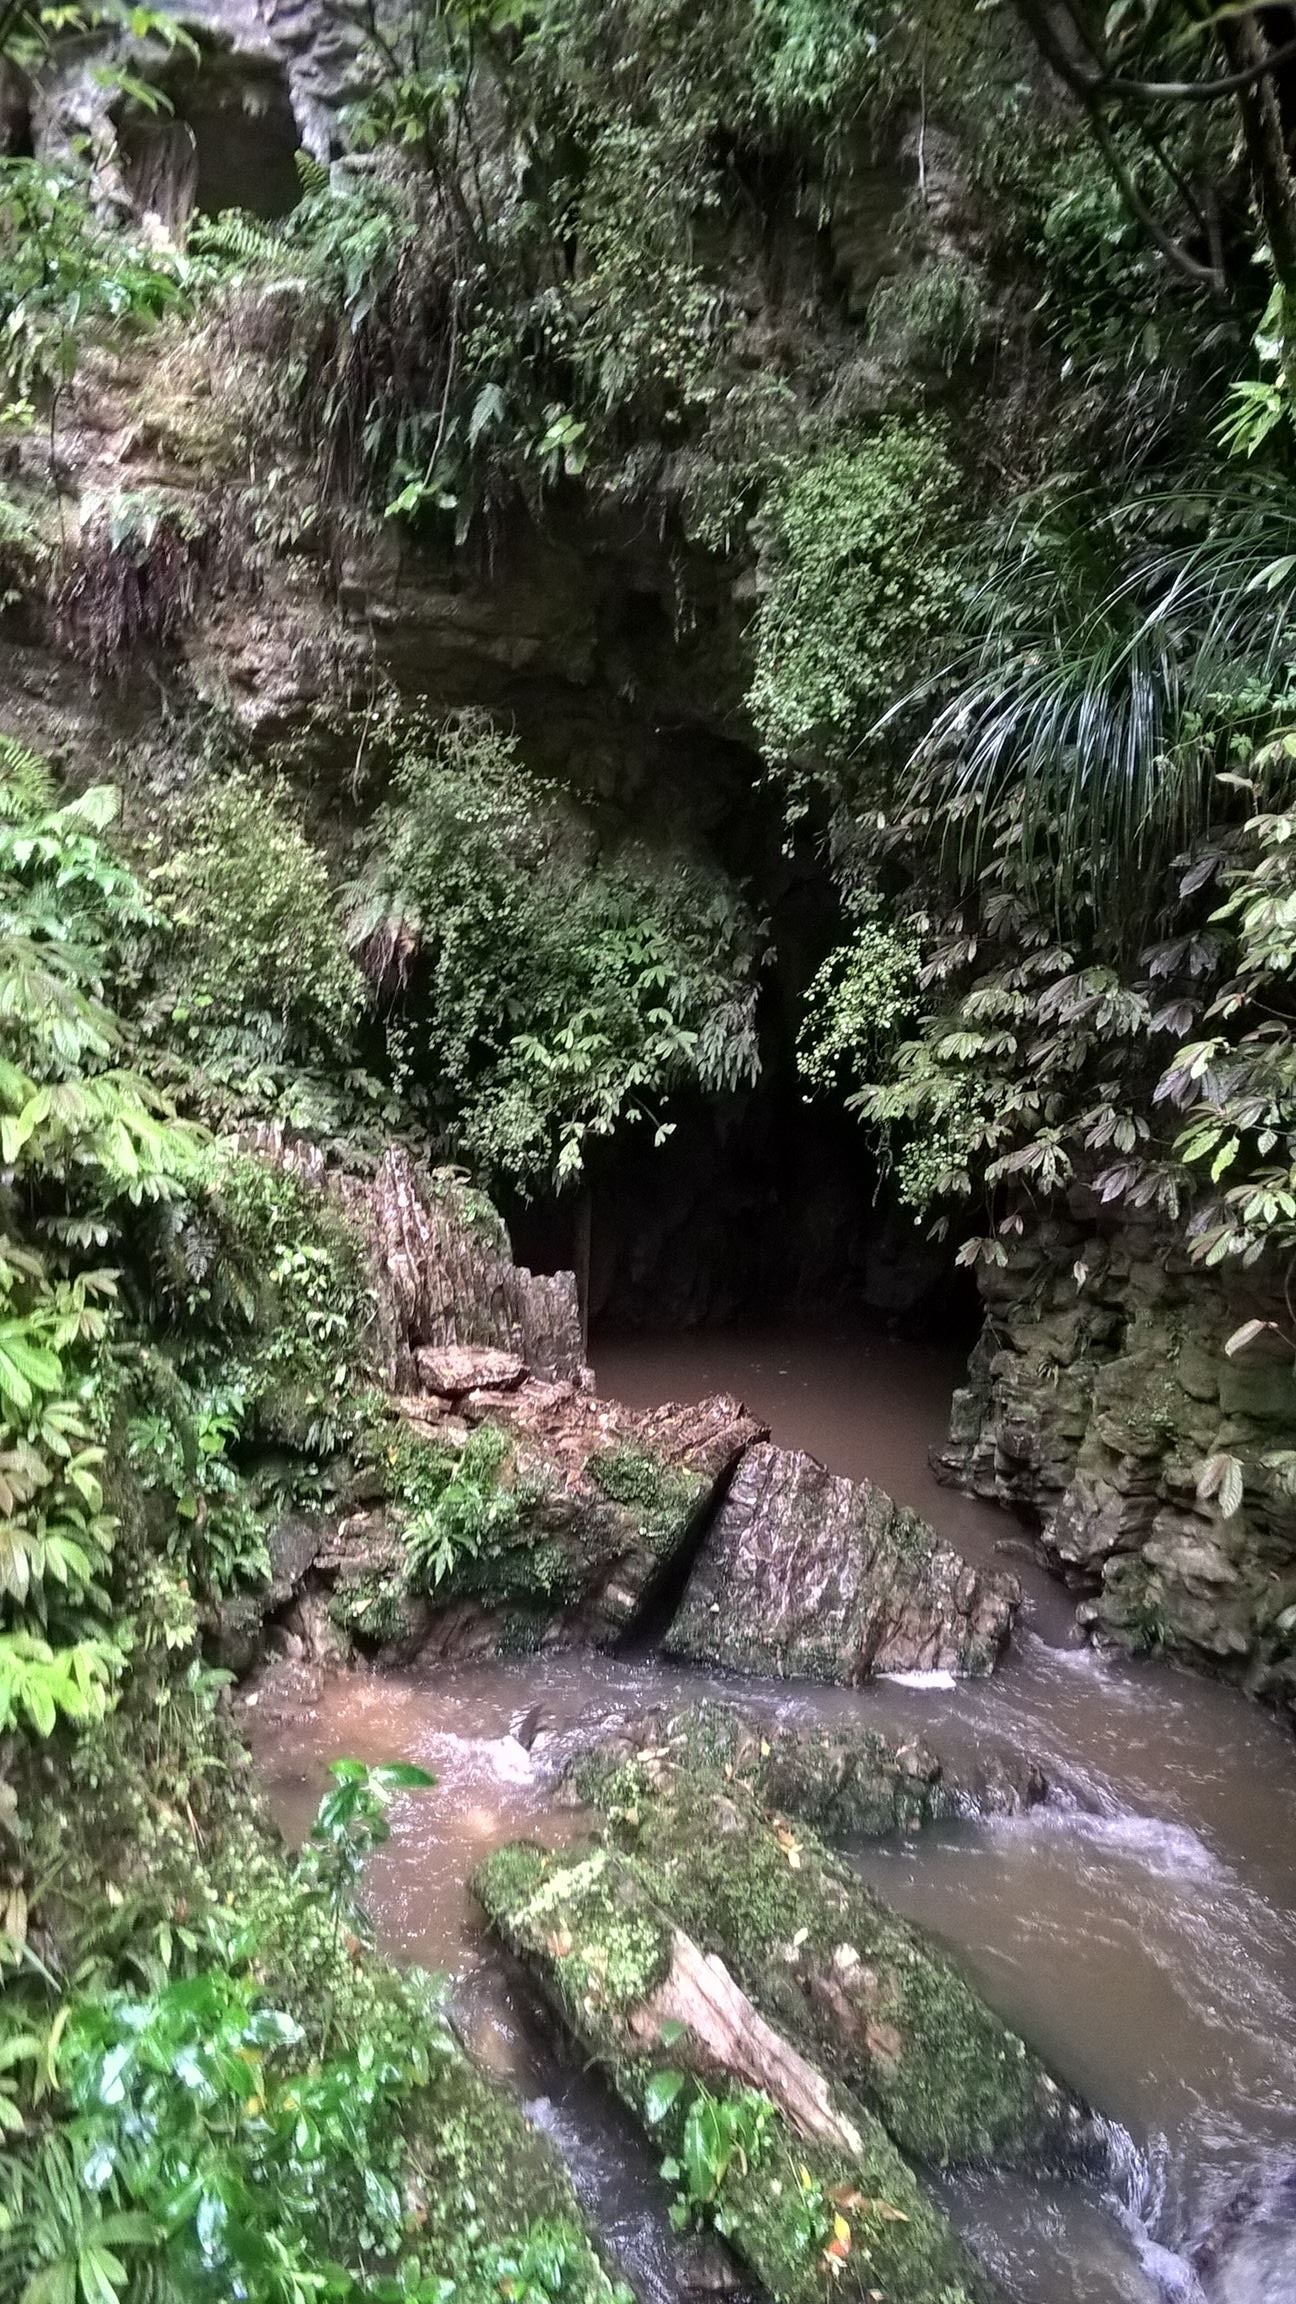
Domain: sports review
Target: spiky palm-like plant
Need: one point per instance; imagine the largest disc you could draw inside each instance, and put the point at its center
(1117, 659)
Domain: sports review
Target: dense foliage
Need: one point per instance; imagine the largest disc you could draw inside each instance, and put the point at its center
(209, 2084)
(548, 985)
(1012, 513)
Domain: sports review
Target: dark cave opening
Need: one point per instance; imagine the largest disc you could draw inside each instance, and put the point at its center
(227, 139)
(755, 1209)
(766, 1203)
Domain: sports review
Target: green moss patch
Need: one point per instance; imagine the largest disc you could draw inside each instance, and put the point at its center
(827, 1961)
(809, 2220)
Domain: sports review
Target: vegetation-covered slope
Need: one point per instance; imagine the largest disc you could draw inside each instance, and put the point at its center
(645, 410)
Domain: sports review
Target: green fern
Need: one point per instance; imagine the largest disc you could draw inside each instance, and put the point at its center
(26, 781)
(312, 173)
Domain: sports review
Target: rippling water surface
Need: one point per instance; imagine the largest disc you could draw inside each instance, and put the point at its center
(1140, 1928)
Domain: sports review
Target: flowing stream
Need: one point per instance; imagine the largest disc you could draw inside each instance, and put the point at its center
(1139, 1928)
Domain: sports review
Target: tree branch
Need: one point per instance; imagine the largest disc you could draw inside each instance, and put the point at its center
(1107, 80)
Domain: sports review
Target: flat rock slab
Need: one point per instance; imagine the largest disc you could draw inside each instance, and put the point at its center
(807, 1575)
(456, 1369)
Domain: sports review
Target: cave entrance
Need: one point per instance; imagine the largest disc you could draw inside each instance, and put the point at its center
(761, 1206)
(758, 1209)
(228, 140)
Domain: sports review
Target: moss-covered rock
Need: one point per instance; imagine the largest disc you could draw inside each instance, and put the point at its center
(540, 1510)
(814, 2199)
(862, 1990)
(849, 1783)
(1153, 1458)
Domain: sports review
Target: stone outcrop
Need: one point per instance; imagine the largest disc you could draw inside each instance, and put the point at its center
(820, 1576)
(443, 1277)
(1101, 1396)
(608, 1498)
(868, 1996)
(805, 1574)
(818, 2188)
(848, 1783)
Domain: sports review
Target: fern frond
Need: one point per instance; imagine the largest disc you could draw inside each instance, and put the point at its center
(26, 781)
(312, 174)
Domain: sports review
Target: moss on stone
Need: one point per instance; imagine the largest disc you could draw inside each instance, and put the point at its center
(843, 1975)
(662, 1496)
(591, 1928)
(849, 1783)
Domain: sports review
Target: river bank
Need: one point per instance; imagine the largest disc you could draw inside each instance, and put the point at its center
(1137, 1927)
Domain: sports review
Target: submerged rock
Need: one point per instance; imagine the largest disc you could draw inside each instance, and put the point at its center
(806, 1574)
(849, 1783)
(808, 2188)
(1248, 2254)
(865, 1992)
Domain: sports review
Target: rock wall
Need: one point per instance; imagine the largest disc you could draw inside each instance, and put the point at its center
(1101, 1396)
(605, 1512)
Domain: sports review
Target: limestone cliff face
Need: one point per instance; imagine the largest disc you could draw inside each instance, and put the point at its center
(1102, 1397)
(622, 657)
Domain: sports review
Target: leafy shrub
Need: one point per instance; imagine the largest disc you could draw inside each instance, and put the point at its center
(861, 996)
(254, 986)
(932, 318)
(291, 1298)
(65, 275)
(547, 990)
(859, 582)
(720, 2133)
(85, 1142)
(196, 2134)
(456, 1505)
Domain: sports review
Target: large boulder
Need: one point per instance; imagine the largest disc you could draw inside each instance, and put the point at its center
(865, 1993)
(599, 1503)
(803, 2183)
(849, 1783)
(804, 1574)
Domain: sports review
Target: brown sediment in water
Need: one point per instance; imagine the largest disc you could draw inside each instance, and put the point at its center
(1138, 1929)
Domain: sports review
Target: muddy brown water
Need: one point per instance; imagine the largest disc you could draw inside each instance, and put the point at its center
(1140, 1928)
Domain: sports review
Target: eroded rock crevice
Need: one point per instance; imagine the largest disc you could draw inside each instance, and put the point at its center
(1102, 1397)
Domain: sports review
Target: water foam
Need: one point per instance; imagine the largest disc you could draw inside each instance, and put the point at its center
(1137, 2200)
(920, 1679)
(1167, 1850)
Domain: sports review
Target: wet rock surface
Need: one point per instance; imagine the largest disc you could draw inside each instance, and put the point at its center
(662, 2020)
(864, 1992)
(446, 1285)
(805, 1574)
(1246, 2256)
(847, 1783)
(1102, 1397)
(798, 1571)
